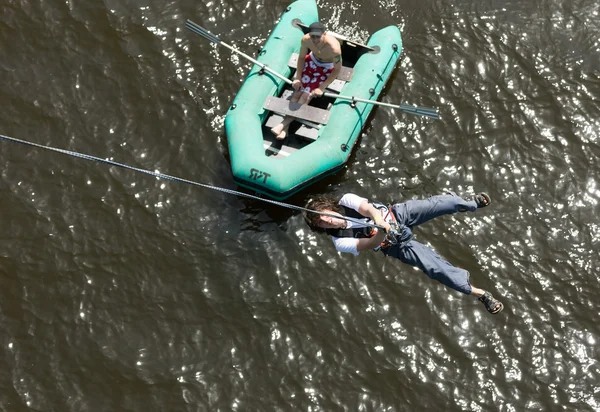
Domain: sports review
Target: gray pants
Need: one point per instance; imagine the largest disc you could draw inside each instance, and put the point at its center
(416, 212)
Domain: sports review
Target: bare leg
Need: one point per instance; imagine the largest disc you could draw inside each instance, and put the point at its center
(298, 95)
(304, 98)
(476, 291)
(281, 130)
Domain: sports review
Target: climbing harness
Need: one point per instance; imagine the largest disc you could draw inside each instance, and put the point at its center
(391, 239)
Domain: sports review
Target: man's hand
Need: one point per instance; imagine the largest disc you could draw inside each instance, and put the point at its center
(317, 92)
(386, 243)
(380, 222)
(296, 84)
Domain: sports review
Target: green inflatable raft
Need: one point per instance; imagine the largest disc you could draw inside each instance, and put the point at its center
(320, 142)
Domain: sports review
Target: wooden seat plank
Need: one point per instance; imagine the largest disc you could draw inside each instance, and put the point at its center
(273, 120)
(300, 111)
(336, 85)
(307, 132)
(276, 118)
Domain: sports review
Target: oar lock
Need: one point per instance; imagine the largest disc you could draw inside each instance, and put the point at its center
(354, 101)
(262, 69)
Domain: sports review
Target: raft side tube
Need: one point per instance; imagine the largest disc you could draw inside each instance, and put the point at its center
(370, 72)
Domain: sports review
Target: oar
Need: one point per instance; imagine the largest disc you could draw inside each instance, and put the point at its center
(208, 35)
(421, 111)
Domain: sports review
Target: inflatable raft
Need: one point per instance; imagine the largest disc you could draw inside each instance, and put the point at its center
(321, 140)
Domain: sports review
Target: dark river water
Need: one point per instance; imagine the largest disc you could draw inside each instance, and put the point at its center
(120, 291)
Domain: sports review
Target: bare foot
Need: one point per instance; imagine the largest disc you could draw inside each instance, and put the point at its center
(276, 130)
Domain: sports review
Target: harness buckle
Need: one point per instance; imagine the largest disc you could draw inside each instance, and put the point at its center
(391, 238)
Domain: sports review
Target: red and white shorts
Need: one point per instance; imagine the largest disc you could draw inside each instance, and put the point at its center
(314, 73)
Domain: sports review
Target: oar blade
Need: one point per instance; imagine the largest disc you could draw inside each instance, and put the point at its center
(201, 31)
(420, 111)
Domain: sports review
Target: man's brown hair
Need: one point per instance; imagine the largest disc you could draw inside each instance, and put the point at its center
(320, 203)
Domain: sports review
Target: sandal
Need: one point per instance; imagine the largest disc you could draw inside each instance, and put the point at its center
(491, 304)
(482, 199)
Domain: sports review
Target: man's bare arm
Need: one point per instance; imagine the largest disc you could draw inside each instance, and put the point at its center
(301, 57)
(371, 242)
(337, 68)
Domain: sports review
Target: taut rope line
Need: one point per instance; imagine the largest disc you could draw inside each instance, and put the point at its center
(178, 179)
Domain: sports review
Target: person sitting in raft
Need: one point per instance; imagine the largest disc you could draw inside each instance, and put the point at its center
(353, 237)
(314, 71)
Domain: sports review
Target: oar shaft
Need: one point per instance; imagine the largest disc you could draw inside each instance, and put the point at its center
(208, 35)
(423, 111)
(259, 64)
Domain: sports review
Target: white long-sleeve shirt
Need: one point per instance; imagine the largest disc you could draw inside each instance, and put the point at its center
(349, 244)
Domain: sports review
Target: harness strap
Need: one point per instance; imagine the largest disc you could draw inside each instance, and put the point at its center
(392, 238)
